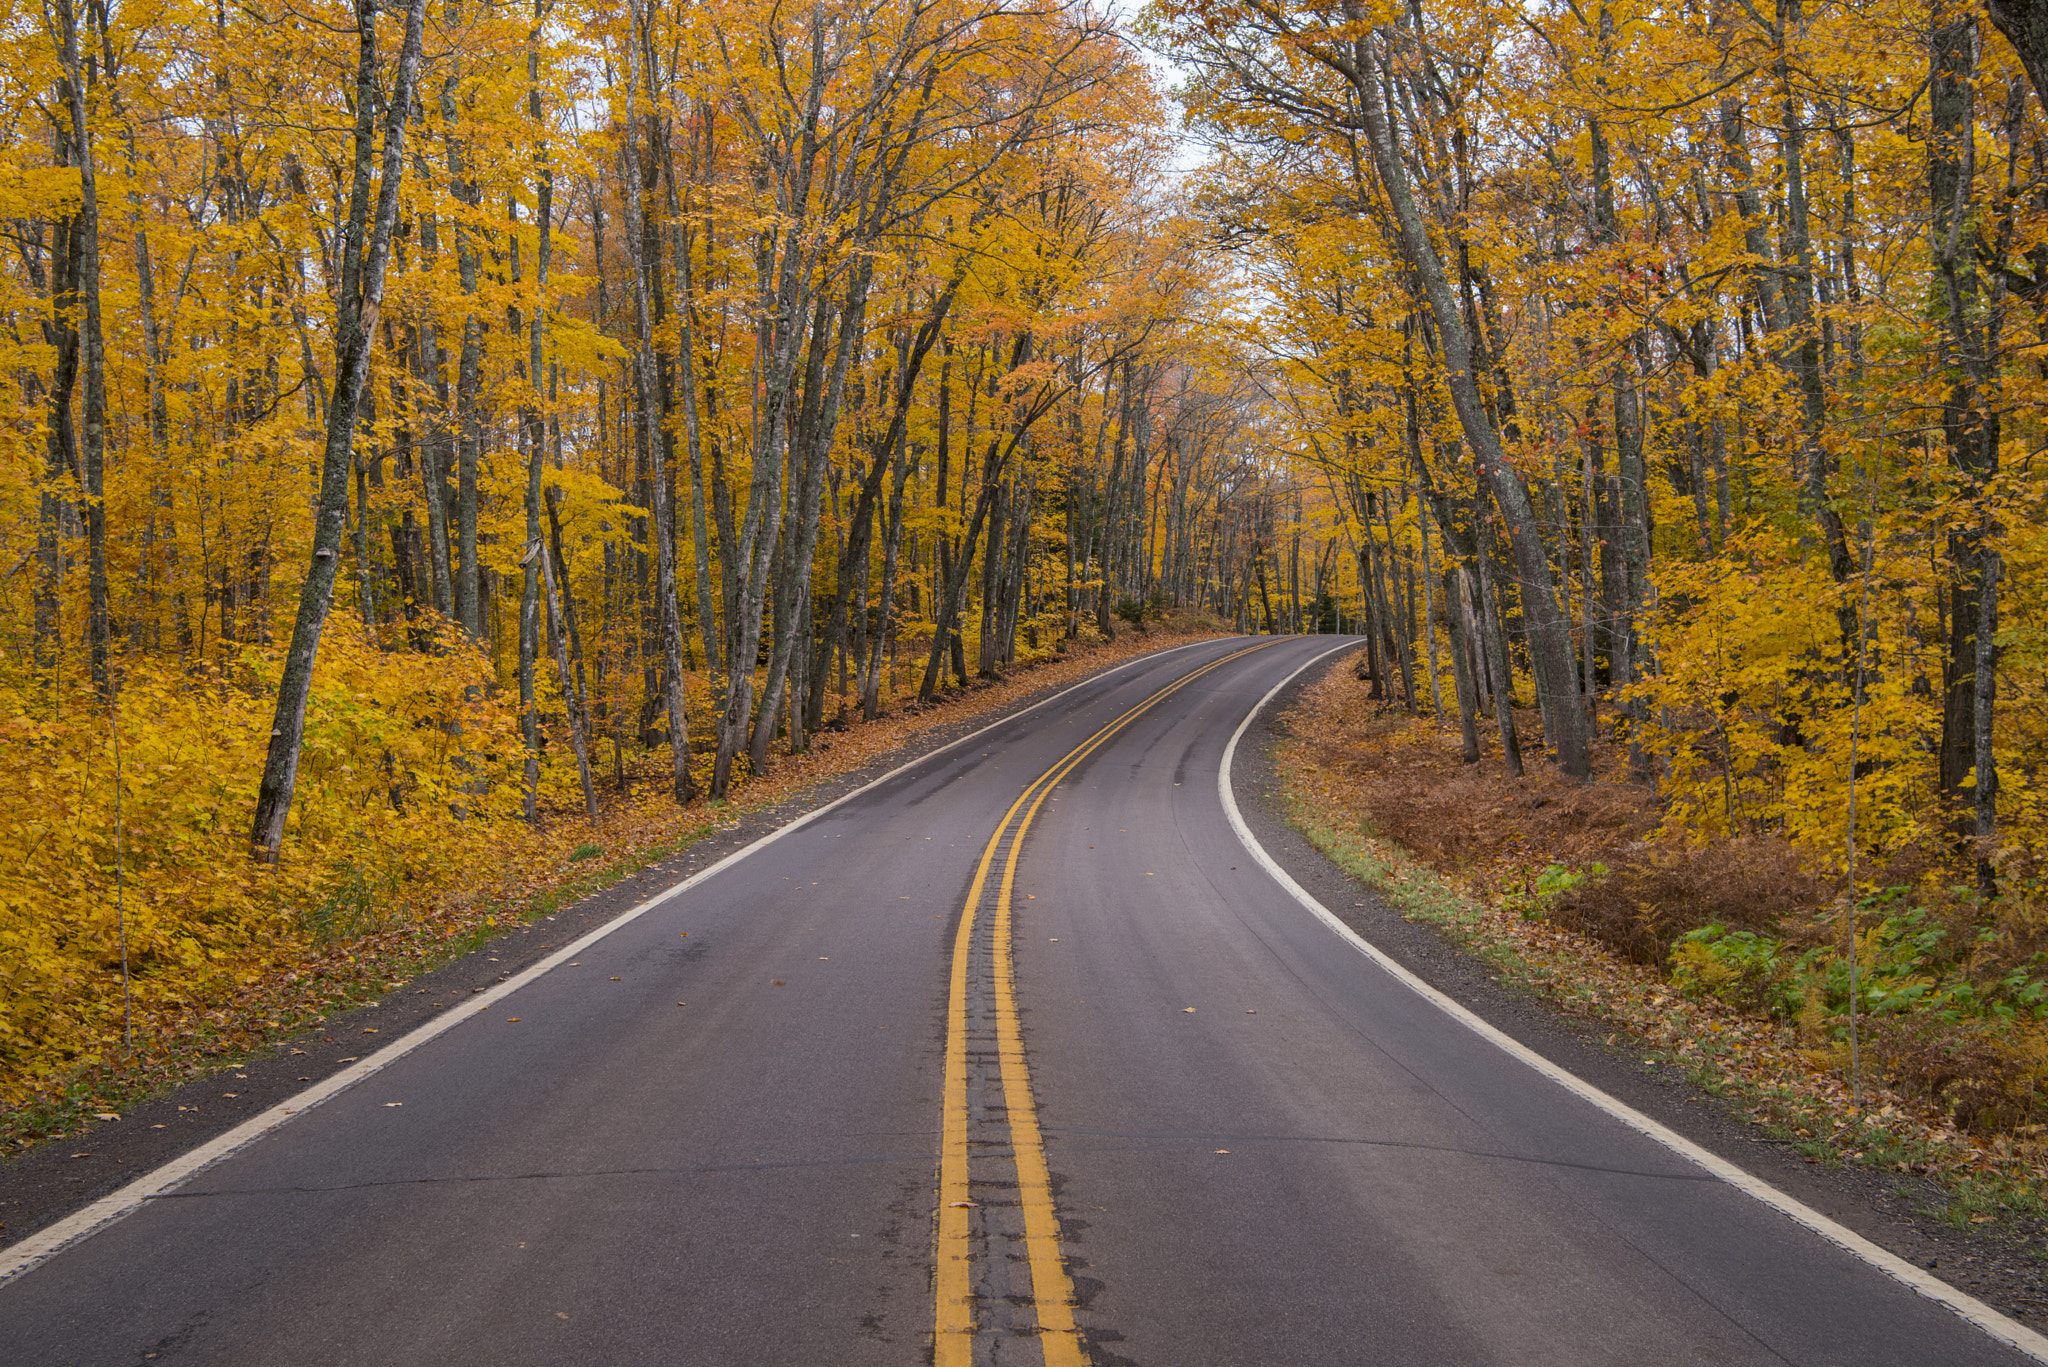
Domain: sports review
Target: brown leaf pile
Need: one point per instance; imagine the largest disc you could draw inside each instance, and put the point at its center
(1474, 817)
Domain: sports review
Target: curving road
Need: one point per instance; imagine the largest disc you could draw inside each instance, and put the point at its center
(1104, 1091)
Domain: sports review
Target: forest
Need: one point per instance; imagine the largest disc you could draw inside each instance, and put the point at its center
(426, 423)
(1694, 355)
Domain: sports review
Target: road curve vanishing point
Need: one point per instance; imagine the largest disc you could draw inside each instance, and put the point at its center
(1027, 1052)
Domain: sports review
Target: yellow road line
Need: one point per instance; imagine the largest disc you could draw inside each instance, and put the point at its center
(955, 1324)
(1052, 1291)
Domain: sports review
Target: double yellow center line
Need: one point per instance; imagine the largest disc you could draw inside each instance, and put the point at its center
(1052, 1292)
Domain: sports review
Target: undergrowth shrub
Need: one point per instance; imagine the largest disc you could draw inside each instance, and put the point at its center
(353, 901)
(1739, 967)
(1657, 894)
(1947, 1012)
(409, 777)
(1990, 1075)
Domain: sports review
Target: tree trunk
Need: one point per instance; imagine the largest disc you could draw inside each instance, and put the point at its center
(1801, 322)
(1436, 695)
(823, 386)
(356, 308)
(1403, 643)
(468, 429)
(667, 617)
(910, 359)
(1461, 666)
(871, 687)
(2025, 25)
(1968, 356)
(686, 365)
(1494, 636)
(1265, 598)
(580, 698)
(533, 437)
(1549, 636)
(1985, 794)
(570, 687)
(91, 346)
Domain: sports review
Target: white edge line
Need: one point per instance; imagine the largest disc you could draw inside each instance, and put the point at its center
(1998, 1326)
(48, 1242)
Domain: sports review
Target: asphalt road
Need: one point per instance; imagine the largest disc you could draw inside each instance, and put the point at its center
(715, 1137)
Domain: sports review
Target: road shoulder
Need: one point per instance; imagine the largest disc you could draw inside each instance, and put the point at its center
(1886, 1209)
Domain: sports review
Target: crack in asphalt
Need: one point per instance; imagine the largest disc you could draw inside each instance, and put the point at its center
(1533, 1160)
(928, 1156)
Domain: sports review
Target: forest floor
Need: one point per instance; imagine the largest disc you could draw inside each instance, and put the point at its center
(1464, 848)
(563, 860)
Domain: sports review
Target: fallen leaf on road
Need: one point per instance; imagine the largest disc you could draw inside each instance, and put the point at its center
(951, 1205)
(776, 983)
(511, 1020)
(1188, 1010)
(230, 1095)
(686, 935)
(104, 1115)
(1223, 1150)
(394, 1103)
(614, 979)
(369, 1029)
(1249, 1012)
(560, 1315)
(350, 1059)
(81, 1155)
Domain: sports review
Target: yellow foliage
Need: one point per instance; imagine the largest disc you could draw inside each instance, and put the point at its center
(409, 781)
(1751, 706)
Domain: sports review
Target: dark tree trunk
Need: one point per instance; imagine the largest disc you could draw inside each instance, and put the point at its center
(1970, 424)
(2025, 25)
(365, 249)
(91, 348)
(1494, 633)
